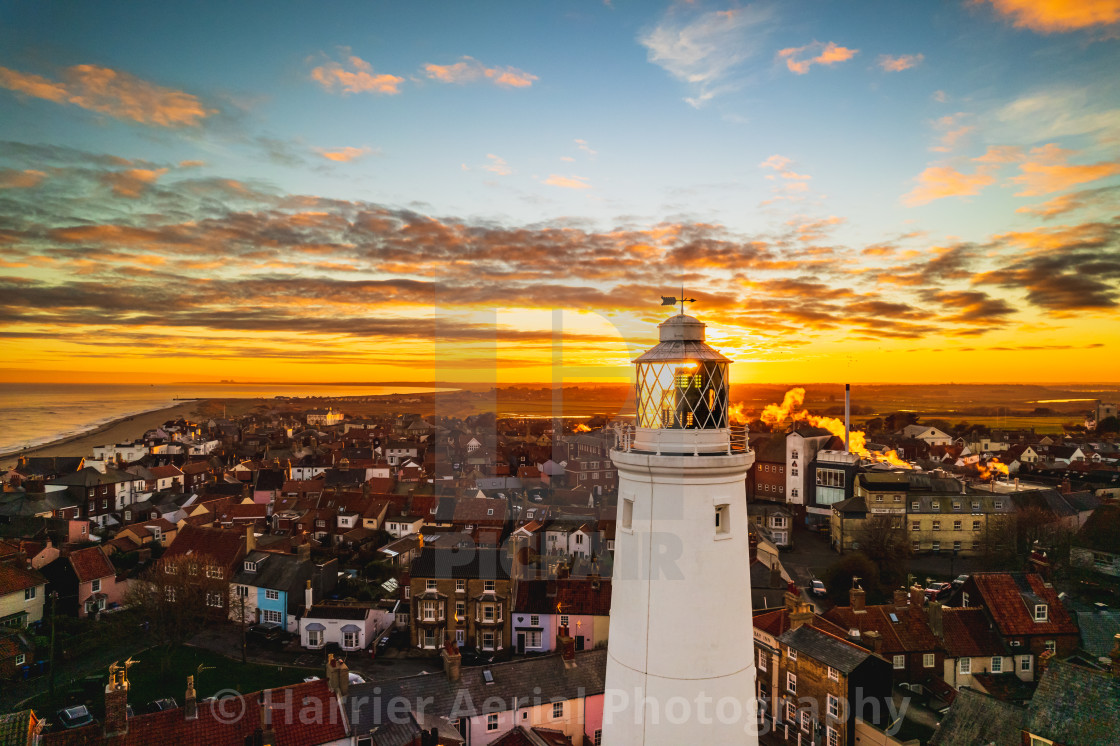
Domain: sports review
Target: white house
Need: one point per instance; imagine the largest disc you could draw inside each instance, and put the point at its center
(931, 435)
(349, 627)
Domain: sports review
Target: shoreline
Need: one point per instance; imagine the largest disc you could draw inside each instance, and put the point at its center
(121, 430)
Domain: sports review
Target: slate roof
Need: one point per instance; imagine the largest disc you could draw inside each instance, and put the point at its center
(280, 572)
(329, 611)
(544, 677)
(1075, 706)
(976, 718)
(1098, 630)
(967, 633)
(828, 649)
(211, 729)
(522, 736)
(164, 472)
(46, 466)
(91, 564)
(1010, 599)
(1101, 531)
(461, 563)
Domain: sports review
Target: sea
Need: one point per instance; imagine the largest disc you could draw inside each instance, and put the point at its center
(32, 414)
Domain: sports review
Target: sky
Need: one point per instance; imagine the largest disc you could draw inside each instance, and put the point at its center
(503, 192)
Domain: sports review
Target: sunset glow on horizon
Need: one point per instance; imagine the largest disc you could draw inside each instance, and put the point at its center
(395, 192)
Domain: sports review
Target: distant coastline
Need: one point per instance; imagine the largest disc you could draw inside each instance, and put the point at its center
(121, 430)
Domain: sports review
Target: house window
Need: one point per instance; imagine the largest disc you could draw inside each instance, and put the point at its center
(833, 737)
(915, 525)
(975, 506)
(956, 505)
(272, 595)
(350, 640)
(597, 738)
(534, 621)
(833, 706)
(878, 498)
(407, 592)
(898, 498)
(1025, 663)
(957, 525)
(627, 513)
(29, 593)
(460, 586)
(936, 546)
(241, 591)
(937, 525)
(557, 709)
(564, 620)
(723, 521)
(998, 505)
(314, 638)
(250, 567)
(20, 658)
(806, 721)
(461, 609)
(791, 683)
(213, 571)
(964, 665)
(792, 654)
(533, 640)
(975, 546)
(793, 472)
(976, 525)
(430, 585)
(997, 664)
(1041, 613)
(899, 662)
(271, 615)
(833, 674)
(1051, 646)
(761, 659)
(487, 640)
(492, 722)
(488, 586)
(214, 600)
(488, 612)
(956, 546)
(915, 506)
(916, 545)
(927, 660)
(964, 599)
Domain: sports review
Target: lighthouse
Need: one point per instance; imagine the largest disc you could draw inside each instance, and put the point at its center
(680, 662)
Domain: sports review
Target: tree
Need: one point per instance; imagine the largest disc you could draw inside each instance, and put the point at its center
(883, 540)
(838, 577)
(177, 597)
(1109, 425)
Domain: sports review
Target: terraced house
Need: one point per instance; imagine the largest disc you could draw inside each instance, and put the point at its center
(461, 595)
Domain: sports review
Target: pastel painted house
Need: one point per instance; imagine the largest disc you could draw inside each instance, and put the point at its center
(543, 606)
(21, 595)
(270, 587)
(349, 627)
(85, 581)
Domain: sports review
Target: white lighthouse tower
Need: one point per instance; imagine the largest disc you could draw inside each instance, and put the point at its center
(680, 665)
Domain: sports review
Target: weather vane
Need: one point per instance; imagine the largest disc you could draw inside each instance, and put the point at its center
(668, 300)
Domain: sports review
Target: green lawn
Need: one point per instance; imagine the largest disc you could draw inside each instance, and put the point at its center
(148, 682)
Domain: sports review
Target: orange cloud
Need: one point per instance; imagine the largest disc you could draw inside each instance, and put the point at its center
(469, 70)
(938, 182)
(575, 182)
(1048, 171)
(191, 164)
(497, 165)
(1070, 202)
(902, 62)
(343, 155)
(830, 54)
(359, 78)
(133, 182)
(1048, 16)
(111, 92)
(12, 179)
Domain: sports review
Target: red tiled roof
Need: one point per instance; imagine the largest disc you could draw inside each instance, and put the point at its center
(910, 634)
(1013, 613)
(163, 472)
(967, 633)
(224, 547)
(91, 564)
(480, 510)
(196, 467)
(305, 714)
(14, 579)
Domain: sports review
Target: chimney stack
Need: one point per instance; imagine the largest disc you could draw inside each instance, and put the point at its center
(308, 598)
(875, 640)
(901, 599)
(857, 597)
(801, 615)
(116, 701)
(917, 596)
(567, 646)
(936, 623)
(250, 539)
(303, 551)
(452, 660)
(190, 701)
(268, 734)
(1066, 488)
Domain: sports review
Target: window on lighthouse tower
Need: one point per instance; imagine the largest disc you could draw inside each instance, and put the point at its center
(723, 520)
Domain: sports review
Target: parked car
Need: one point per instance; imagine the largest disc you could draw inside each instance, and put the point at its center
(938, 591)
(959, 580)
(74, 717)
(817, 589)
(267, 634)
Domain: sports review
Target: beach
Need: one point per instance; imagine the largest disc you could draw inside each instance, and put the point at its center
(124, 430)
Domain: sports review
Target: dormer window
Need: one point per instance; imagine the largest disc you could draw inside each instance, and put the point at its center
(1041, 613)
(250, 566)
